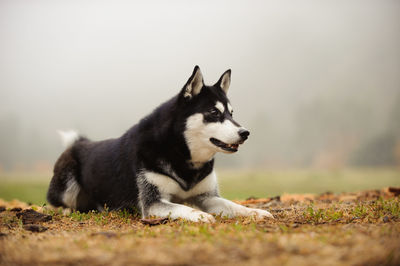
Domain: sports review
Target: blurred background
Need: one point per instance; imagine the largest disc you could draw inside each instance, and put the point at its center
(316, 82)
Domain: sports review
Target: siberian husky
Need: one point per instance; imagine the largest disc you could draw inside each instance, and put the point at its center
(165, 160)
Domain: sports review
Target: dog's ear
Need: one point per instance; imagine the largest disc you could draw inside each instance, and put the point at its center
(194, 84)
(224, 81)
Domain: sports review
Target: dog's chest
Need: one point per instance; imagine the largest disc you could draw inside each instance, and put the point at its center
(176, 187)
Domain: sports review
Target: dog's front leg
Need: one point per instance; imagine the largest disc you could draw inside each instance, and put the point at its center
(155, 199)
(164, 208)
(224, 207)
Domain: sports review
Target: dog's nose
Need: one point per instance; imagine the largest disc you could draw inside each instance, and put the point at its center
(244, 133)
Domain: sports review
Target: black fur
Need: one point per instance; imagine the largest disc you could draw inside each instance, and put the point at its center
(108, 171)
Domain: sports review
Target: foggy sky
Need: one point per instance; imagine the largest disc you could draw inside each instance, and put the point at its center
(99, 66)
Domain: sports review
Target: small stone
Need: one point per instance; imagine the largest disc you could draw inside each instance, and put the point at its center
(276, 198)
(30, 216)
(251, 198)
(385, 219)
(35, 228)
(395, 190)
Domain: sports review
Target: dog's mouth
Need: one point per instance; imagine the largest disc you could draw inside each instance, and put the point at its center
(226, 147)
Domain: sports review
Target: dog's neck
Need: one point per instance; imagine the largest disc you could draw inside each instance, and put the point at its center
(201, 156)
(193, 160)
(198, 165)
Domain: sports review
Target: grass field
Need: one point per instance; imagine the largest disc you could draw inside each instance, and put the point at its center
(263, 183)
(241, 184)
(345, 229)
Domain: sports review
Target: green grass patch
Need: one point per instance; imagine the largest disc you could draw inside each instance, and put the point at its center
(264, 183)
(316, 216)
(370, 211)
(240, 184)
(28, 191)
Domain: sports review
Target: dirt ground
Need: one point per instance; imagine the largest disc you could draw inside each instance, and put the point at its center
(347, 229)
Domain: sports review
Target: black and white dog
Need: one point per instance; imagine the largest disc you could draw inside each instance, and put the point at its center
(162, 162)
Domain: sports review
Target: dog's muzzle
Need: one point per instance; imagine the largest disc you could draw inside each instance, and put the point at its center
(243, 133)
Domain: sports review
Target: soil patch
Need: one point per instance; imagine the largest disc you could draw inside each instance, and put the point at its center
(360, 228)
(30, 216)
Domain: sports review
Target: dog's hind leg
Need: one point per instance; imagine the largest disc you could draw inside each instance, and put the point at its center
(64, 190)
(71, 192)
(55, 193)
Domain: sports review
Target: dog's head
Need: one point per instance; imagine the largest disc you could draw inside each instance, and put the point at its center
(209, 124)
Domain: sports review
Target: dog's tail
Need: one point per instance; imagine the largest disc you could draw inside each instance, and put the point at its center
(68, 137)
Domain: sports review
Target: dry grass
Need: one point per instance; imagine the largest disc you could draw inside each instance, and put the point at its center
(346, 229)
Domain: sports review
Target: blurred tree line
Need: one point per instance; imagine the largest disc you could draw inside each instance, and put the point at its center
(383, 148)
(324, 133)
(23, 149)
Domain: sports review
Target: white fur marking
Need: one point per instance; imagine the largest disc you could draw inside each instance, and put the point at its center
(220, 107)
(68, 137)
(226, 132)
(230, 109)
(198, 134)
(71, 194)
(169, 187)
(168, 170)
(201, 149)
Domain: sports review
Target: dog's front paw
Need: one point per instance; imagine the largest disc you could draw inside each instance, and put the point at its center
(260, 213)
(199, 216)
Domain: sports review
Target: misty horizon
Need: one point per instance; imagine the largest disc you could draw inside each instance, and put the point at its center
(316, 83)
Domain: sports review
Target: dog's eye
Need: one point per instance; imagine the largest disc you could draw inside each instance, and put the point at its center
(215, 112)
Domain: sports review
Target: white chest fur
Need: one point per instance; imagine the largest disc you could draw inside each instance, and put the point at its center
(169, 187)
